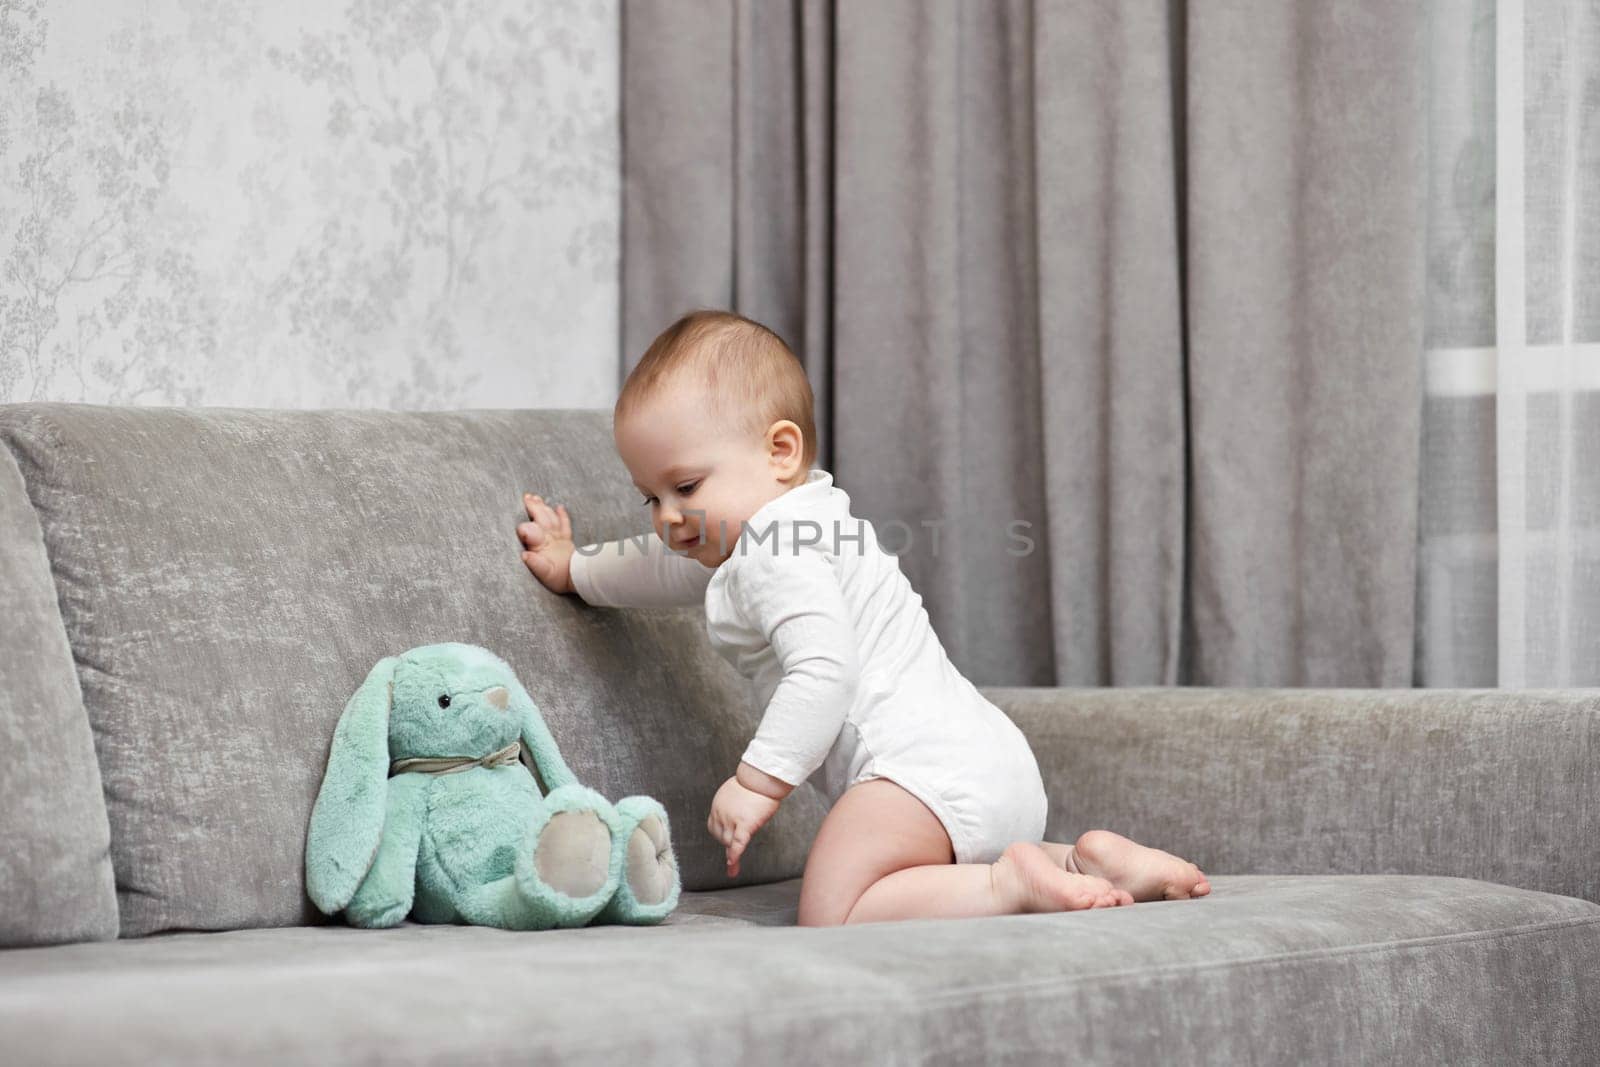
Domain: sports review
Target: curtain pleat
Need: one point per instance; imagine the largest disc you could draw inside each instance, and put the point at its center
(1108, 80)
(1306, 192)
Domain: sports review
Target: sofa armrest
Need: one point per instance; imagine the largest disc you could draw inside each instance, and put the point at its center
(1498, 785)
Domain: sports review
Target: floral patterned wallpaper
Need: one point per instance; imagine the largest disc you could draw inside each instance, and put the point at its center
(301, 203)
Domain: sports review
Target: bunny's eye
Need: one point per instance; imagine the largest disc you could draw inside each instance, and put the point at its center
(444, 700)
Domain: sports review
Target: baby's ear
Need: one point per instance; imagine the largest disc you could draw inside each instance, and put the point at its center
(347, 819)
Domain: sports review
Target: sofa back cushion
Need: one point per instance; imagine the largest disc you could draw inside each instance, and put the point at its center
(55, 863)
(229, 576)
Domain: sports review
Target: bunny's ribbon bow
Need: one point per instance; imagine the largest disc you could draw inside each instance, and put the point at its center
(451, 764)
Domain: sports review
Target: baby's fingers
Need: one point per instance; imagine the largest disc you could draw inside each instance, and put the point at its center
(541, 567)
(531, 533)
(741, 839)
(566, 521)
(542, 513)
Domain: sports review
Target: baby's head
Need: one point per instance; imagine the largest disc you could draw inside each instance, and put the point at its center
(715, 419)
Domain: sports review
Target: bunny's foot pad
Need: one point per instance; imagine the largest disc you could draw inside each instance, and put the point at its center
(573, 855)
(649, 887)
(567, 870)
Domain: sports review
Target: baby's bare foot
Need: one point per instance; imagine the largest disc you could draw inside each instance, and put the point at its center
(1146, 873)
(1028, 880)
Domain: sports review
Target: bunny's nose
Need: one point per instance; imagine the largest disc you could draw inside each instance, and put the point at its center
(497, 696)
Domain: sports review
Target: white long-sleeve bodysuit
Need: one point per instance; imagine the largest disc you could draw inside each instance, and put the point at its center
(841, 656)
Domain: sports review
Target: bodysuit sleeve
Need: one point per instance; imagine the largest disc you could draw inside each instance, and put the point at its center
(626, 574)
(797, 605)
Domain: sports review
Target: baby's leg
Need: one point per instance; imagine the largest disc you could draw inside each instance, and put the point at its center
(1145, 873)
(881, 854)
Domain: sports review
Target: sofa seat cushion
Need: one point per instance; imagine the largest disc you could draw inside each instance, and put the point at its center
(1267, 969)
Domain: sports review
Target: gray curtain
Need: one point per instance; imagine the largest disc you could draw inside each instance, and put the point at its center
(1147, 276)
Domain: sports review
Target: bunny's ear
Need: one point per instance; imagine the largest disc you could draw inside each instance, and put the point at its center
(347, 821)
(537, 742)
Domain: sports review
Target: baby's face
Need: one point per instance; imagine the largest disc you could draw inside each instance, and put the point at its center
(696, 476)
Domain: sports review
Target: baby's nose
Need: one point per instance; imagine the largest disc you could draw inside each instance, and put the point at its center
(498, 696)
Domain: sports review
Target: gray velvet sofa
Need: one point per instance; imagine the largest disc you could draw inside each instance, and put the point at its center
(190, 595)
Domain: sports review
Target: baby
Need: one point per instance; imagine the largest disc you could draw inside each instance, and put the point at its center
(937, 809)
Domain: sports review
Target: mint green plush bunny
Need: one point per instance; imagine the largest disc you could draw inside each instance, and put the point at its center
(426, 810)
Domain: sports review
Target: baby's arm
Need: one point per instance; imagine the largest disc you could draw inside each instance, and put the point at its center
(637, 572)
(631, 572)
(796, 603)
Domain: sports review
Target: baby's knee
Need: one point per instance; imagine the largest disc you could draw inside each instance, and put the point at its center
(820, 907)
(820, 918)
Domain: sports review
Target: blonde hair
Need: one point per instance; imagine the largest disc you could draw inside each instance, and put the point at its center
(747, 370)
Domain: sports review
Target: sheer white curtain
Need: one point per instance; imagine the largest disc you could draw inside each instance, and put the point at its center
(1509, 576)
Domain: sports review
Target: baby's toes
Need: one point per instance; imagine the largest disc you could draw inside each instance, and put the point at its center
(1109, 896)
(1186, 884)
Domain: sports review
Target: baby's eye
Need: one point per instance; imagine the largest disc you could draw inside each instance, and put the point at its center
(444, 700)
(649, 500)
(688, 488)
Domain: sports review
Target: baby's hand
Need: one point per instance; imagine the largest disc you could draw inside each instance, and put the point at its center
(736, 814)
(547, 544)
